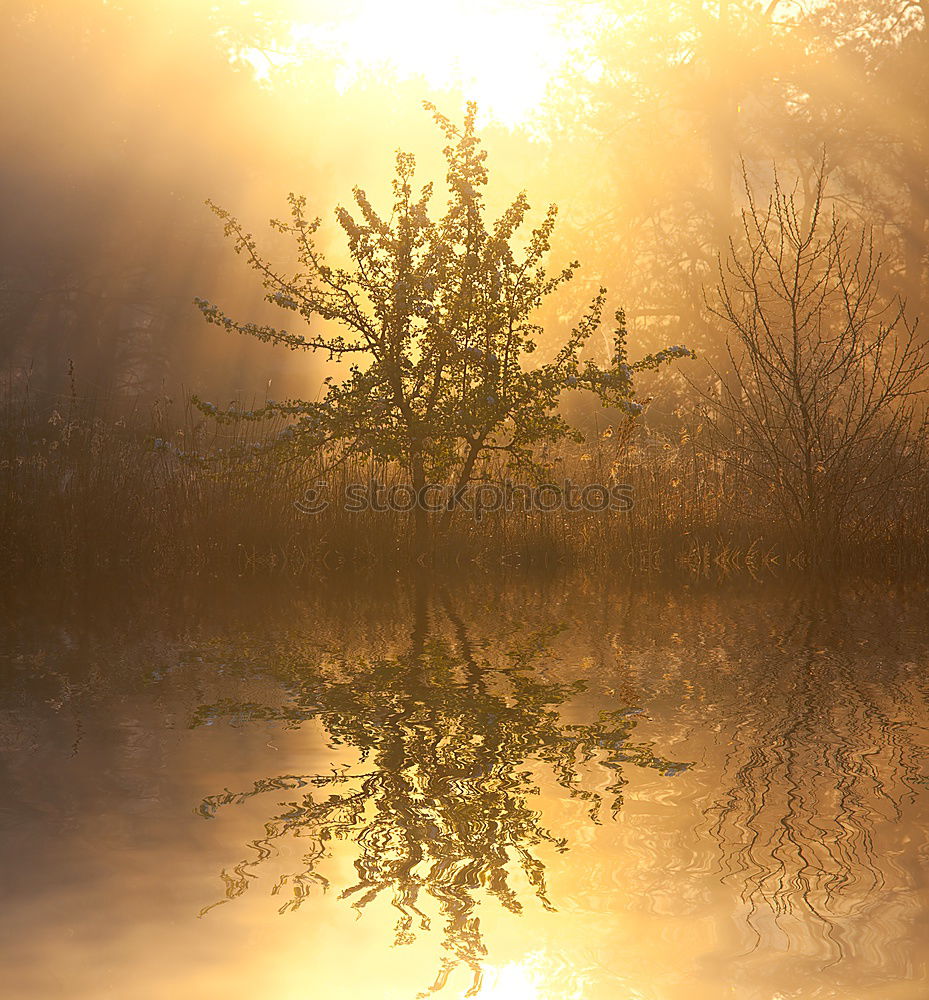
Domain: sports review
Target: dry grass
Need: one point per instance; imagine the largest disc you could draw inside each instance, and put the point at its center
(84, 488)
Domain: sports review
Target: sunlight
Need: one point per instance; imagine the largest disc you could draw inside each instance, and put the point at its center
(501, 54)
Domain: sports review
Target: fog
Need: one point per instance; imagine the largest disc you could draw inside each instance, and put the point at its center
(642, 120)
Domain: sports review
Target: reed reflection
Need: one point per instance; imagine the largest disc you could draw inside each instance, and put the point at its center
(453, 736)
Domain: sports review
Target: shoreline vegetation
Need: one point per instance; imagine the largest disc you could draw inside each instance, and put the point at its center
(803, 444)
(720, 333)
(92, 487)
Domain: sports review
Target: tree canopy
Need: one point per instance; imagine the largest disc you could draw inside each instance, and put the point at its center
(436, 320)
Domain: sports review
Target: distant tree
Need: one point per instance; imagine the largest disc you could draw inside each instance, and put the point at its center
(437, 321)
(818, 407)
(79, 182)
(682, 91)
(868, 86)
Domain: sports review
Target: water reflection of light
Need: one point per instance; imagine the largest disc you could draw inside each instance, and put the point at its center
(526, 980)
(512, 982)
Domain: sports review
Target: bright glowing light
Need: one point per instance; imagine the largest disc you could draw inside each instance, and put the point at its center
(501, 54)
(536, 977)
(512, 982)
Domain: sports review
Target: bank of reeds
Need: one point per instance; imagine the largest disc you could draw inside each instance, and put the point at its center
(86, 485)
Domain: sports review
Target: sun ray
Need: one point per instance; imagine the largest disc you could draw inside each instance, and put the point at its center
(501, 53)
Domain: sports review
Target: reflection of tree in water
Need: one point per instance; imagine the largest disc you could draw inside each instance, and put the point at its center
(441, 810)
(823, 702)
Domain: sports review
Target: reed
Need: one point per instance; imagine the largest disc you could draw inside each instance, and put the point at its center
(90, 484)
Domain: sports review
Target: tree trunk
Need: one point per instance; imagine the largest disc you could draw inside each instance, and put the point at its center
(420, 524)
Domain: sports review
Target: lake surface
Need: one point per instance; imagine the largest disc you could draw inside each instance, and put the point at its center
(567, 789)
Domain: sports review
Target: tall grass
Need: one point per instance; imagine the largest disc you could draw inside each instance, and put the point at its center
(91, 484)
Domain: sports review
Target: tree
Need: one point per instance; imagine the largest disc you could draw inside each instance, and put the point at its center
(437, 321)
(869, 83)
(819, 406)
(81, 181)
(683, 89)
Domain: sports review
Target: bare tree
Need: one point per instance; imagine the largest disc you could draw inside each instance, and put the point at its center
(819, 410)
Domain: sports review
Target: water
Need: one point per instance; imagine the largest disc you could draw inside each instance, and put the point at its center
(559, 790)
